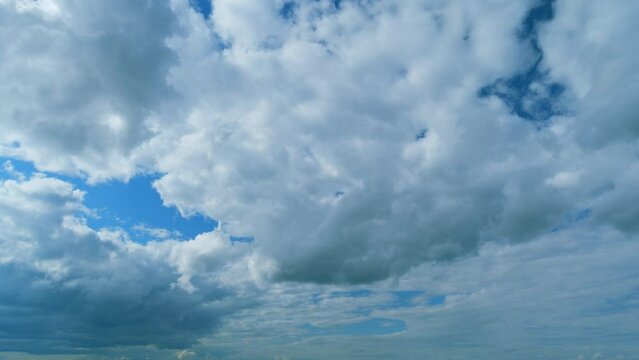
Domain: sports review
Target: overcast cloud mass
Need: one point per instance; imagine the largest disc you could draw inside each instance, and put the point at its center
(393, 179)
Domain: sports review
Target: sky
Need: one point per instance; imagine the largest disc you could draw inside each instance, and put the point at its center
(319, 179)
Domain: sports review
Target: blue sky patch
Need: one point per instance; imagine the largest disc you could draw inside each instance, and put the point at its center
(370, 327)
(540, 13)
(436, 300)
(352, 294)
(287, 11)
(12, 168)
(204, 7)
(360, 293)
(412, 298)
(242, 239)
(134, 206)
(621, 303)
(421, 134)
(573, 218)
(529, 93)
(399, 299)
(405, 298)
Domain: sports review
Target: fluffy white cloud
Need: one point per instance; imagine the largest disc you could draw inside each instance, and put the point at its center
(311, 143)
(349, 140)
(356, 141)
(80, 81)
(353, 145)
(66, 287)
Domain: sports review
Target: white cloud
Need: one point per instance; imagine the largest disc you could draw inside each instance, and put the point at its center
(156, 233)
(80, 80)
(311, 145)
(351, 142)
(184, 354)
(334, 110)
(78, 287)
(302, 132)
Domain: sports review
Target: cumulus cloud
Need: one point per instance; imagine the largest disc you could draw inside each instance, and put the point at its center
(80, 81)
(311, 143)
(68, 288)
(355, 141)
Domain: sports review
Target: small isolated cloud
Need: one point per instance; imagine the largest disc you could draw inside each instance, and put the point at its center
(184, 354)
(157, 233)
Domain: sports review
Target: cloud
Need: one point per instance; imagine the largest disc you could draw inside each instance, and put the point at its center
(69, 288)
(360, 145)
(334, 109)
(184, 354)
(567, 293)
(357, 142)
(157, 233)
(80, 81)
(353, 142)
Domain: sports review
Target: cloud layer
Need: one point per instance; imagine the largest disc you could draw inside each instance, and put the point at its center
(355, 141)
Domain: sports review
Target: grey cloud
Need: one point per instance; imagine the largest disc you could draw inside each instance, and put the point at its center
(566, 294)
(67, 288)
(80, 80)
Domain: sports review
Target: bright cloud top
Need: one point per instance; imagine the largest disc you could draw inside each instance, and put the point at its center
(336, 143)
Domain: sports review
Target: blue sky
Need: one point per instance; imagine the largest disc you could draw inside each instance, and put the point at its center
(318, 179)
(203, 7)
(133, 205)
